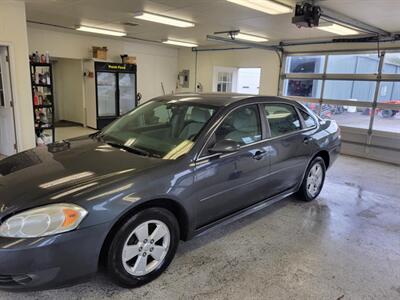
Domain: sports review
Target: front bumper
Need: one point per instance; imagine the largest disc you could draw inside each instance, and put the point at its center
(50, 262)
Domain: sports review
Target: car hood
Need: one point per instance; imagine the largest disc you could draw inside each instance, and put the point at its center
(39, 176)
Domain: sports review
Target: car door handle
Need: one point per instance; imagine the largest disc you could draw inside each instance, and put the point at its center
(307, 140)
(259, 154)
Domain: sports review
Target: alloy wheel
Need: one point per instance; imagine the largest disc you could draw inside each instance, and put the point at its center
(314, 179)
(146, 247)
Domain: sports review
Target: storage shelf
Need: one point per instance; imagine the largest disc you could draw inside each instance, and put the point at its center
(43, 106)
(42, 85)
(38, 64)
(44, 126)
(48, 97)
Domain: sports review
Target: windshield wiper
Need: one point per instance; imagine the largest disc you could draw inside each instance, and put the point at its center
(130, 149)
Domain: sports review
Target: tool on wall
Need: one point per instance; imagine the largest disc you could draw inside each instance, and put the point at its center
(162, 87)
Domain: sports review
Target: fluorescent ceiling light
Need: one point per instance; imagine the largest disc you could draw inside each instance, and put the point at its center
(266, 6)
(180, 43)
(338, 29)
(100, 31)
(250, 37)
(163, 19)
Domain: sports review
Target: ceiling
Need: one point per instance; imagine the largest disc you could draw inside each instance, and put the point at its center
(209, 16)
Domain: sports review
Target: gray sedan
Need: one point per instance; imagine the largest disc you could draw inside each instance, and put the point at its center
(166, 171)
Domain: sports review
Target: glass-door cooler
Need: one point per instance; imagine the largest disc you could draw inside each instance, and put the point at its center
(115, 91)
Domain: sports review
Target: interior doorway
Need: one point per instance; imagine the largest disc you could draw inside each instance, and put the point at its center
(236, 80)
(8, 144)
(249, 81)
(69, 99)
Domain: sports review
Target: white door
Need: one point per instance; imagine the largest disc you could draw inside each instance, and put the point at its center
(7, 127)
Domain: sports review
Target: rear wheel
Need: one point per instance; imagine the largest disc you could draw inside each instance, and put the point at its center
(143, 247)
(313, 180)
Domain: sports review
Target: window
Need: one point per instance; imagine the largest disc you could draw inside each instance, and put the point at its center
(353, 64)
(282, 119)
(350, 90)
(349, 87)
(389, 92)
(387, 119)
(241, 125)
(161, 129)
(308, 120)
(352, 116)
(224, 83)
(159, 115)
(305, 64)
(391, 64)
(303, 88)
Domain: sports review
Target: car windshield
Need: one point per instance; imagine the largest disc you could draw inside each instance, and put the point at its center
(161, 129)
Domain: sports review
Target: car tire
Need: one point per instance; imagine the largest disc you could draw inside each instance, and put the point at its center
(313, 180)
(133, 257)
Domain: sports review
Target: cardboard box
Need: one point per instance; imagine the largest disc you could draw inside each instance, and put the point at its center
(100, 52)
(129, 60)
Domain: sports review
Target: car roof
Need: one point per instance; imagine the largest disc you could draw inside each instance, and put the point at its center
(219, 99)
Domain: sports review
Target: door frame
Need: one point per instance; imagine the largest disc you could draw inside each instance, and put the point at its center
(12, 84)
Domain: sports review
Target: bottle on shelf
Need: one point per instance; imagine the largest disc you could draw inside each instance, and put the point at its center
(36, 99)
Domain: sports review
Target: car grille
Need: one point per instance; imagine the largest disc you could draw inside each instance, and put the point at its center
(14, 280)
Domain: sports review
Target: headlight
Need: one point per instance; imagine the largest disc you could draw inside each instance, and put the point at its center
(43, 221)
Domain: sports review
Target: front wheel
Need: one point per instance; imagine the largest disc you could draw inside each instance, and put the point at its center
(143, 247)
(313, 180)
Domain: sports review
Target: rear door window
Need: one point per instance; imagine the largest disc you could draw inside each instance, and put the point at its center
(282, 118)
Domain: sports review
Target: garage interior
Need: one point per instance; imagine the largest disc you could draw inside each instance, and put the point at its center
(344, 245)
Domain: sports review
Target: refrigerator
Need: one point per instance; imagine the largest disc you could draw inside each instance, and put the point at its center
(111, 90)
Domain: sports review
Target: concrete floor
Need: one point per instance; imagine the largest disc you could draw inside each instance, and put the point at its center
(345, 245)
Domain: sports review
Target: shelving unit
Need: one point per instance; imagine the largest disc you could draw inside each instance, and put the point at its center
(43, 99)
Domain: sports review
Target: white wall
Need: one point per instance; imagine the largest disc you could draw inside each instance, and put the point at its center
(13, 33)
(69, 101)
(156, 63)
(253, 58)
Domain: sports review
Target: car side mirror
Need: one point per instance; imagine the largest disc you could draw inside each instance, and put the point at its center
(225, 146)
